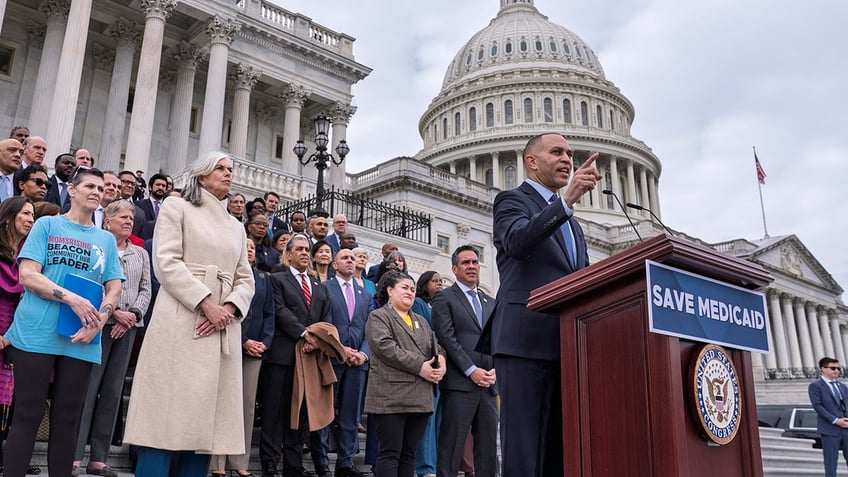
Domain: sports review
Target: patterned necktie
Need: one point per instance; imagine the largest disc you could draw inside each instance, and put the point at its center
(156, 209)
(351, 301)
(306, 293)
(565, 231)
(478, 309)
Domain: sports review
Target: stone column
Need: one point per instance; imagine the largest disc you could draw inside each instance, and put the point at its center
(245, 79)
(615, 186)
(655, 199)
(95, 115)
(126, 35)
(340, 114)
(294, 96)
(646, 199)
(631, 183)
(770, 359)
(780, 349)
(803, 328)
(496, 171)
(520, 173)
(452, 166)
(147, 83)
(791, 334)
(815, 333)
(63, 108)
(48, 68)
(221, 32)
(472, 168)
(187, 56)
(824, 326)
(836, 334)
(2, 12)
(35, 43)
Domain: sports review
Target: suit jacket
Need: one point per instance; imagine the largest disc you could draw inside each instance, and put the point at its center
(397, 354)
(827, 407)
(351, 332)
(266, 257)
(530, 253)
(276, 224)
(292, 315)
(53, 195)
(258, 325)
(458, 331)
(333, 240)
(146, 205)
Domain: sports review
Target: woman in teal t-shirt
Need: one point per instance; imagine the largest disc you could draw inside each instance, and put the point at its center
(57, 247)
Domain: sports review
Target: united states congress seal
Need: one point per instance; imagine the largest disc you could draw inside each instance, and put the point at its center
(716, 397)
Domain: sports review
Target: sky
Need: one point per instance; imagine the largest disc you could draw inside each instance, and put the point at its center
(708, 81)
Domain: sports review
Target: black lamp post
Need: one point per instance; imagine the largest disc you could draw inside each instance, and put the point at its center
(321, 156)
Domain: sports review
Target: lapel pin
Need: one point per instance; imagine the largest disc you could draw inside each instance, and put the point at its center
(416, 325)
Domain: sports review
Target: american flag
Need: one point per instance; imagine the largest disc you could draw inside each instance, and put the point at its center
(761, 173)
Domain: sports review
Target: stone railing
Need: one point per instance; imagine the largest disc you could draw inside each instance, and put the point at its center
(256, 179)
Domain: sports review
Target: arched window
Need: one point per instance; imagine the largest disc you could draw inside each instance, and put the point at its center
(490, 177)
(490, 115)
(539, 44)
(480, 54)
(553, 45)
(549, 110)
(456, 125)
(588, 56)
(600, 114)
(523, 45)
(579, 53)
(528, 110)
(566, 111)
(612, 122)
(445, 128)
(494, 51)
(508, 111)
(508, 47)
(584, 113)
(472, 119)
(468, 59)
(509, 178)
(566, 48)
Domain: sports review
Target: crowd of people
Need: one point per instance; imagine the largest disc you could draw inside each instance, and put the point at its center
(245, 317)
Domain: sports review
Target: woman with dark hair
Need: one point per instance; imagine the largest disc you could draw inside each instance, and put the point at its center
(279, 241)
(187, 388)
(58, 250)
(322, 257)
(16, 219)
(406, 363)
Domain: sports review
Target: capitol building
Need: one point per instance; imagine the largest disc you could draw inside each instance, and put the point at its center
(149, 84)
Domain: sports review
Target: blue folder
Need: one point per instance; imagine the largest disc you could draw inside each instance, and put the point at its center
(69, 323)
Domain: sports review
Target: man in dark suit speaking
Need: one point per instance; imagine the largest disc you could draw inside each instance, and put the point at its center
(829, 398)
(537, 241)
(469, 398)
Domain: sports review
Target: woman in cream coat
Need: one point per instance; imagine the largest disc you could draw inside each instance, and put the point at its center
(186, 392)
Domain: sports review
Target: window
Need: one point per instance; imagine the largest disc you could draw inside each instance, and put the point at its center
(443, 242)
(579, 53)
(553, 45)
(600, 115)
(523, 45)
(456, 125)
(472, 119)
(229, 130)
(566, 48)
(528, 110)
(584, 113)
(278, 147)
(445, 128)
(508, 47)
(549, 110)
(192, 120)
(494, 51)
(538, 45)
(130, 99)
(611, 123)
(480, 54)
(468, 59)
(566, 111)
(490, 115)
(508, 111)
(490, 177)
(509, 178)
(588, 55)
(479, 249)
(7, 59)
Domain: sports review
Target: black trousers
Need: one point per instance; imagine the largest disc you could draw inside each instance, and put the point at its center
(70, 378)
(399, 435)
(276, 421)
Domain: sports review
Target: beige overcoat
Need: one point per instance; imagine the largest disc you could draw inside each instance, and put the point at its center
(187, 391)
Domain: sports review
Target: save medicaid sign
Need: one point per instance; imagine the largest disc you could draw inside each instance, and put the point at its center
(690, 306)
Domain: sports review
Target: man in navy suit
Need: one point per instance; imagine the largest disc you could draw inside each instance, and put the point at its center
(469, 396)
(350, 305)
(828, 397)
(537, 241)
(299, 301)
(58, 193)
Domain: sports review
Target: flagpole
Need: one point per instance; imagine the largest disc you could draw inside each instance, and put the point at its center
(762, 207)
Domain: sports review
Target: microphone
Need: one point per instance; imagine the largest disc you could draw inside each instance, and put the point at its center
(639, 207)
(620, 206)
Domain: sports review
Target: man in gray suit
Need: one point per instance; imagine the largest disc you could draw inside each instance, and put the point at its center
(469, 396)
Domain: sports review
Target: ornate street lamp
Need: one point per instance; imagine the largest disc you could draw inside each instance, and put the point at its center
(321, 157)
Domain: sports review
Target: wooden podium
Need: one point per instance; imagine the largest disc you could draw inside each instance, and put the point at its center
(626, 402)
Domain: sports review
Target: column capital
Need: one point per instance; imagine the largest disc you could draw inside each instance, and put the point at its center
(294, 95)
(56, 10)
(158, 8)
(245, 77)
(125, 32)
(188, 55)
(104, 58)
(496, 154)
(264, 111)
(35, 33)
(340, 113)
(222, 30)
(786, 298)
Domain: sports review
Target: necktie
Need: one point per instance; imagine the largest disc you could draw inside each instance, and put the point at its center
(478, 309)
(565, 231)
(306, 293)
(63, 192)
(156, 209)
(4, 187)
(834, 388)
(351, 301)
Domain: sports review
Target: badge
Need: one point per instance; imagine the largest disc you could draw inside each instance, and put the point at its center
(716, 397)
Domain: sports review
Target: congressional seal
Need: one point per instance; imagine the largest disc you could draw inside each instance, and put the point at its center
(716, 397)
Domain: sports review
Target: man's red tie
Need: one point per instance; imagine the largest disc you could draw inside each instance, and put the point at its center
(306, 293)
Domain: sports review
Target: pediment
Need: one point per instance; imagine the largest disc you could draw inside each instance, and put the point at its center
(788, 255)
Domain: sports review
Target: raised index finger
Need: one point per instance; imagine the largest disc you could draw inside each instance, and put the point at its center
(590, 161)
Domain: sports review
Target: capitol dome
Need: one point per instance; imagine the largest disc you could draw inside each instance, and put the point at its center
(524, 75)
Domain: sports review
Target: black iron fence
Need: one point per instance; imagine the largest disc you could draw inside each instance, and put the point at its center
(360, 210)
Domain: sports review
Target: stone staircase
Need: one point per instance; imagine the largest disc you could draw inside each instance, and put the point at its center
(788, 457)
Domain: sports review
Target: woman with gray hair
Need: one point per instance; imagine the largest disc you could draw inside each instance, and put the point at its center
(103, 398)
(187, 388)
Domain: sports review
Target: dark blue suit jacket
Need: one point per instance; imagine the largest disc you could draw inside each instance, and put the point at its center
(351, 332)
(530, 253)
(259, 323)
(292, 315)
(53, 195)
(333, 240)
(827, 407)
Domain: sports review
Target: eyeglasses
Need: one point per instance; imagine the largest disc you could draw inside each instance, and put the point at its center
(77, 172)
(835, 368)
(42, 183)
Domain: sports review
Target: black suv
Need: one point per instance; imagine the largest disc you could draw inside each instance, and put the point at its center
(797, 420)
